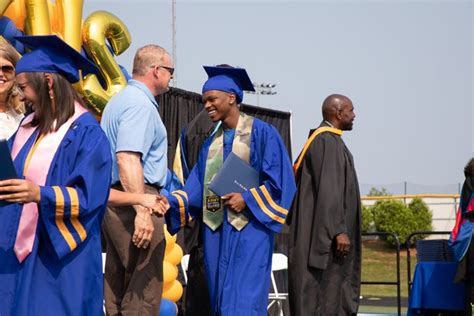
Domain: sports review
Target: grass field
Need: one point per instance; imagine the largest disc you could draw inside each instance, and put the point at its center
(379, 264)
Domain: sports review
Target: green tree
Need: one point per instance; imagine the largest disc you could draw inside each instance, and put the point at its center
(422, 216)
(368, 223)
(396, 217)
(376, 192)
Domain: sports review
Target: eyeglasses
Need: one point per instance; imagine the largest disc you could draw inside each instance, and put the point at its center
(170, 69)
(7, 69)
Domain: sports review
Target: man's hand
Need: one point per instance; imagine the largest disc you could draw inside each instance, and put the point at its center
(19, 191)
(161, 205)
(158, 204)
(234, 201)
(143, 227)
(343, 245)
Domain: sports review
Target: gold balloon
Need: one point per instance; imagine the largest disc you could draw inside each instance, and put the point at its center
(65, 18)
(72, 20)
(170, 272)
(98, 27)
(170, 239)
(173, 292)
(172, 289)
(4, 5)
(56, 17)
(16, 12)
(37, 17)
(169, 246)
(175, 255)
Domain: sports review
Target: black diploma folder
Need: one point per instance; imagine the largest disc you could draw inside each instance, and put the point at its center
(7, 169)
(235, 175)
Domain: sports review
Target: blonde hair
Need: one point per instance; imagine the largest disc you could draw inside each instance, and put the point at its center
(146, 56)
(14, 95)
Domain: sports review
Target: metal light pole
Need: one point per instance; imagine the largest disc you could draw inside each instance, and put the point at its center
(173, 38)
(262, 88)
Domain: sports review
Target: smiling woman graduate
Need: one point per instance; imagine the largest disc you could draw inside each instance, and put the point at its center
(50, 245)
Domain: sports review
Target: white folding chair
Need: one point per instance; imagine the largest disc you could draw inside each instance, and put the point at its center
(103, 271)
(279, 262)
(184, 267)
(103, 262)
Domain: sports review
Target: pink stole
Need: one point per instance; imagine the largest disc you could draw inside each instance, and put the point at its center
(37, 172)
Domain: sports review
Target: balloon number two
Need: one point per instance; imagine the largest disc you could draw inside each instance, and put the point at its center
(98, 27)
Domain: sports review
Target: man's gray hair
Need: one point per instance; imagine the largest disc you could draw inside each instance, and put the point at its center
(146, 57)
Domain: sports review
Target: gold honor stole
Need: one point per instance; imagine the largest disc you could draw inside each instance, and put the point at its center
(213, 208)
(36, 169)
(310, 140)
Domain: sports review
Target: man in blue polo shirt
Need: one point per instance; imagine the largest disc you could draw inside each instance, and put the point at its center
(134, 238)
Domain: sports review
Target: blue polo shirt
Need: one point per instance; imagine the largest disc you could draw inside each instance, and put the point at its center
(132, 123)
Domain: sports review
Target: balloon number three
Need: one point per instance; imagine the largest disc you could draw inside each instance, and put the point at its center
(64, 18)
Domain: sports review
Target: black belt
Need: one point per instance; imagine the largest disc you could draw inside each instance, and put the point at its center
(156, 186)
(118, 185)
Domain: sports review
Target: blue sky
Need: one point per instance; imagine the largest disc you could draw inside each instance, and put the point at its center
(407, 66)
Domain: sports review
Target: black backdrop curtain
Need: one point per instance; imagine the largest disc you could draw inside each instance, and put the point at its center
(179, 109)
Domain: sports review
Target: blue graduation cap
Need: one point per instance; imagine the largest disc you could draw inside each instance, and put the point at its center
(51, 54)
(228, 79)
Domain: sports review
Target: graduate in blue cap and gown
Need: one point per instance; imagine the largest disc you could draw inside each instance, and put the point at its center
(238, 228)
(50, 247)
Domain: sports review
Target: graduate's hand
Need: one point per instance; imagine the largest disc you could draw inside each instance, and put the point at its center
(143, 227)
(234, 201)
(19, 191)
(148, 200)
(156, 203)
(161, 205)
(343, 245)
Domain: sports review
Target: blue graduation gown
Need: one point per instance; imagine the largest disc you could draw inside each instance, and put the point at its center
(238, 264)
(63, 273)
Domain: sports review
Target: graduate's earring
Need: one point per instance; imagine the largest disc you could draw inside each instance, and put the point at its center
(49, 82)
(51, 98)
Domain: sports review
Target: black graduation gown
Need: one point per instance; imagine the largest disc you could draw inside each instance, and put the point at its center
(327, 203)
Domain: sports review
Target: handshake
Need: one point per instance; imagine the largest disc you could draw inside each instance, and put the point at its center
(156, 204)
(146, 206)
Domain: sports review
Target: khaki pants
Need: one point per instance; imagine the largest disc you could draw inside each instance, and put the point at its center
(133, 276)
